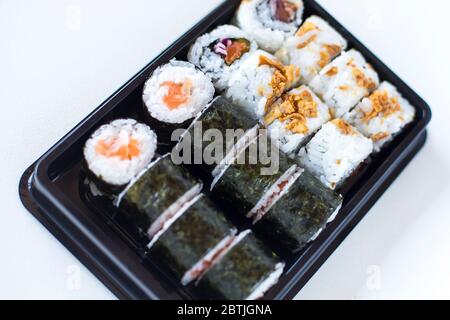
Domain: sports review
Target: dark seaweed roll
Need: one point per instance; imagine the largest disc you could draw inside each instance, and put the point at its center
(190, 245)
(246, 272)
(289, 206)
(227, 129)
(158, 196)
(301, 214)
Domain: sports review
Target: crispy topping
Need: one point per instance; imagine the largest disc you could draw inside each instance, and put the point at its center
(332, 72)
(306, 42)
(382, 105)
(113, 148)
(380, 136)
(344, 88)
(338, 162)
(283, 77)
(362, 80)
(305, 28)
(178, 93)
(283, 10)
(294, 110)
(344, 127)
(329, 53)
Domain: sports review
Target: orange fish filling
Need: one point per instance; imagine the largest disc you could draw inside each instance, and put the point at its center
(111, 149)
(178, 94)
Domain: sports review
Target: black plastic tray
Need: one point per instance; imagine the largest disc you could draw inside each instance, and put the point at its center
(50, 188)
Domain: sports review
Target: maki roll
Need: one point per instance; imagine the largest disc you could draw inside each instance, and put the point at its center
(314, 46)
(158, 196)
(193, 243)
(270, 22)
(345, 81)
(335, 152)
(289, 206)
(382, 115)
(220, 52)
(174, 94)
(259, 82)
(247, 270)
(231, 128)
(295, 117)
(117, 152)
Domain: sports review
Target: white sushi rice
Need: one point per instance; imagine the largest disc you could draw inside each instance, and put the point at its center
(382, 121)
(203, 56)
(314, 46)
(257, 18)
(113, 169)
(333, 154)
(201, 92)
(289, 141)
(250, 87)
(345, 81)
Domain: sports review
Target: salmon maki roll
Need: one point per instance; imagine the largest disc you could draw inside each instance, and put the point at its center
(117, 152)
(173, 96)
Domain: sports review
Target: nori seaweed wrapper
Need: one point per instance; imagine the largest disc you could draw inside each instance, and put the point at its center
(164, 130)
(221, 115)
(155, 191)
(191, 237)
(242, 269)
(243, 185)
(297, 217)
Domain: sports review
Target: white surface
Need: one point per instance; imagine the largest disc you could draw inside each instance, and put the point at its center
(60, 59)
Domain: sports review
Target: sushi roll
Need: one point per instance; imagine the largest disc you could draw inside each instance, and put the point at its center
(259, 82)
(118, 151)
(270, 22)
(314, 46)
(382, 115)
(289, 206)
(345, 81)
(231, 129)
(295, 117)
(220, 52)
(194, 242)
(158, 196)
(245, 271)
(335, 152)
(173, 96)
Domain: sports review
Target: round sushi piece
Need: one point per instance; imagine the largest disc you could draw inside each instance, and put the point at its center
(220, 52)
(345, 81)
(174, 94)
(335, 152)
(246, 270)
(259, 82)
(270, 22)
(382, 115)
(158, 196)
(295, 117)
(118, 151)
(314, 46)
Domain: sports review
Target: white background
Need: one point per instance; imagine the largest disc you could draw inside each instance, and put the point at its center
(60, 59)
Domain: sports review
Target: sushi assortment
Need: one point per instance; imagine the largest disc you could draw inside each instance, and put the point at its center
(285, 87)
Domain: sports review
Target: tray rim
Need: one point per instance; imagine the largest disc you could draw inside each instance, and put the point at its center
(38, 195)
